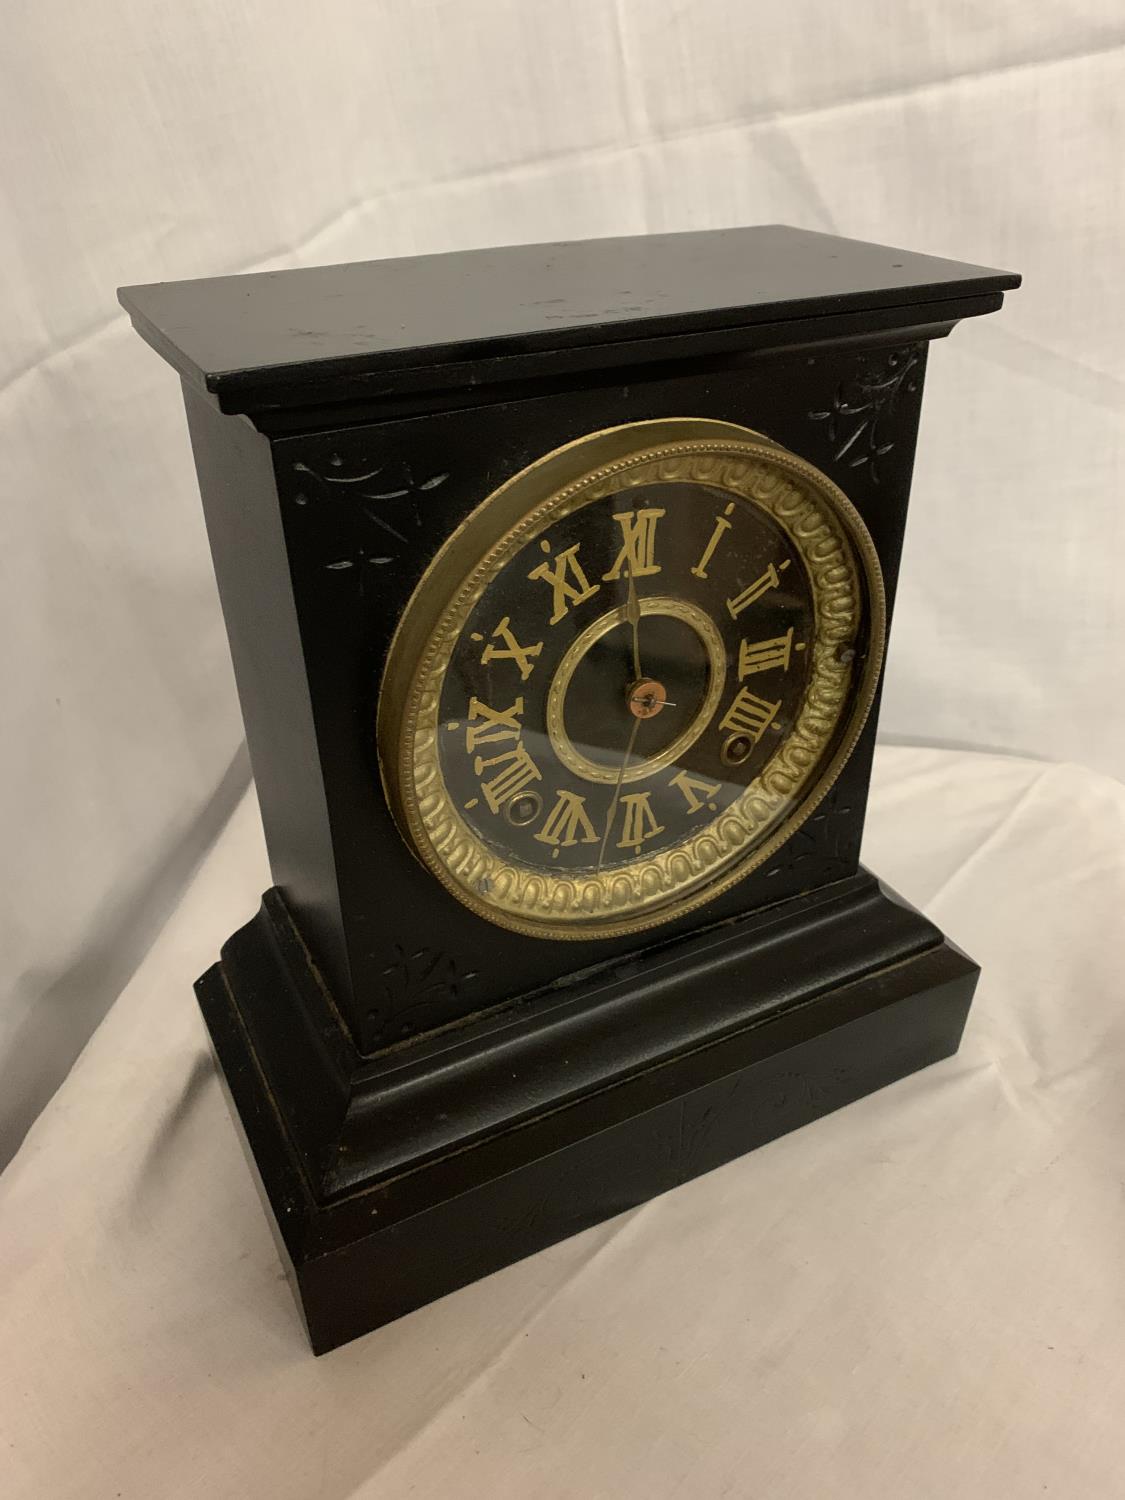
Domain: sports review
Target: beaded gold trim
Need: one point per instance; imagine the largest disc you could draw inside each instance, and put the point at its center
(845, 653)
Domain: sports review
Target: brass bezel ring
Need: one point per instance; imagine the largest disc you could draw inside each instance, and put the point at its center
(850, 622)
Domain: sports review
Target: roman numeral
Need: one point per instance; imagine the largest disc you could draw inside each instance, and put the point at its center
(721, 525)
(638, 530)
(567, 823)
(496, 724)
(697, 793)
(568, 582)
(763, 656)
(769, 580)
(639, 822)
(749, 715)
(511, 649)
(518, 771)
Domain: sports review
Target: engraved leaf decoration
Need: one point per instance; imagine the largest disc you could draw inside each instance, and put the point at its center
(418, 977)
(861, 409)
(373, 488)
(393, 481)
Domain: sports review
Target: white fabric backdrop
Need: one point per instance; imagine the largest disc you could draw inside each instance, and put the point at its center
(149, 139)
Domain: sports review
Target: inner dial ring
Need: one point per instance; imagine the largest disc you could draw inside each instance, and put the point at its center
(677, 609)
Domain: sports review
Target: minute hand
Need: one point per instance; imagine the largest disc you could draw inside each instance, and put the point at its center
(633, 616)
(617, 791)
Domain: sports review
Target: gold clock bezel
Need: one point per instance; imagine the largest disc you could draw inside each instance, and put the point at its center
(847, 588)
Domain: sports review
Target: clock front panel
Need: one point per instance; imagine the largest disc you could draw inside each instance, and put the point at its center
(629, 677)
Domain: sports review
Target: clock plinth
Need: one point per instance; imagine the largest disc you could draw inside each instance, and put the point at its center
(457, 1157)
(555, 581)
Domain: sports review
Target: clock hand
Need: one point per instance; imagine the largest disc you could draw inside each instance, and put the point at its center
(633, 616)
(617, 791)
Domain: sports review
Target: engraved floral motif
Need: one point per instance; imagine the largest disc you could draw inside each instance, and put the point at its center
(863, 408)
(789, 1092)
(416, 978)
(822, 847)
(699, 1138)
(391, 487)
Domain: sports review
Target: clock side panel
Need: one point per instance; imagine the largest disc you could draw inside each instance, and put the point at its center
(365, 508)
(240, 506)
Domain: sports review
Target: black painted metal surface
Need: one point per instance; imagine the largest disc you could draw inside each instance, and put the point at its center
(258, 339)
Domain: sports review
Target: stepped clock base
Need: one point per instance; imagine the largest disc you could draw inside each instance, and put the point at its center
(565, 1109)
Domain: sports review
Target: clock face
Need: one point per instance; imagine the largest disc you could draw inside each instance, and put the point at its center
(629, 677)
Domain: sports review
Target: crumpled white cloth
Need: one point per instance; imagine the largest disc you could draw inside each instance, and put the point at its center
(919, 1296)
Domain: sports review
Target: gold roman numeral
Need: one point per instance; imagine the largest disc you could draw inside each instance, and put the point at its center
(721, 525)
(763, 656)
(638, 530)
(749, 715)
(697, 793)
(511, 650)
(567, 823)
(769, 580)
(496, 724)
(518, 771)
(639, 822)
(567, 579)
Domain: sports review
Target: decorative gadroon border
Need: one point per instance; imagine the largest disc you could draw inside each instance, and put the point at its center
(844, 573)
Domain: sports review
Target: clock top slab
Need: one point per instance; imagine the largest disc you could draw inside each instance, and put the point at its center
(376, 327)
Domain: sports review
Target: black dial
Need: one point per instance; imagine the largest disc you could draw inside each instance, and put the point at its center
(578, 738)
(622, 684)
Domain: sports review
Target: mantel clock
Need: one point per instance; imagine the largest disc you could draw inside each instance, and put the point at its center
(557, 581)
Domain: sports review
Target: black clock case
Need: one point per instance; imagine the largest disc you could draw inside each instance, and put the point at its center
(426, 1097)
